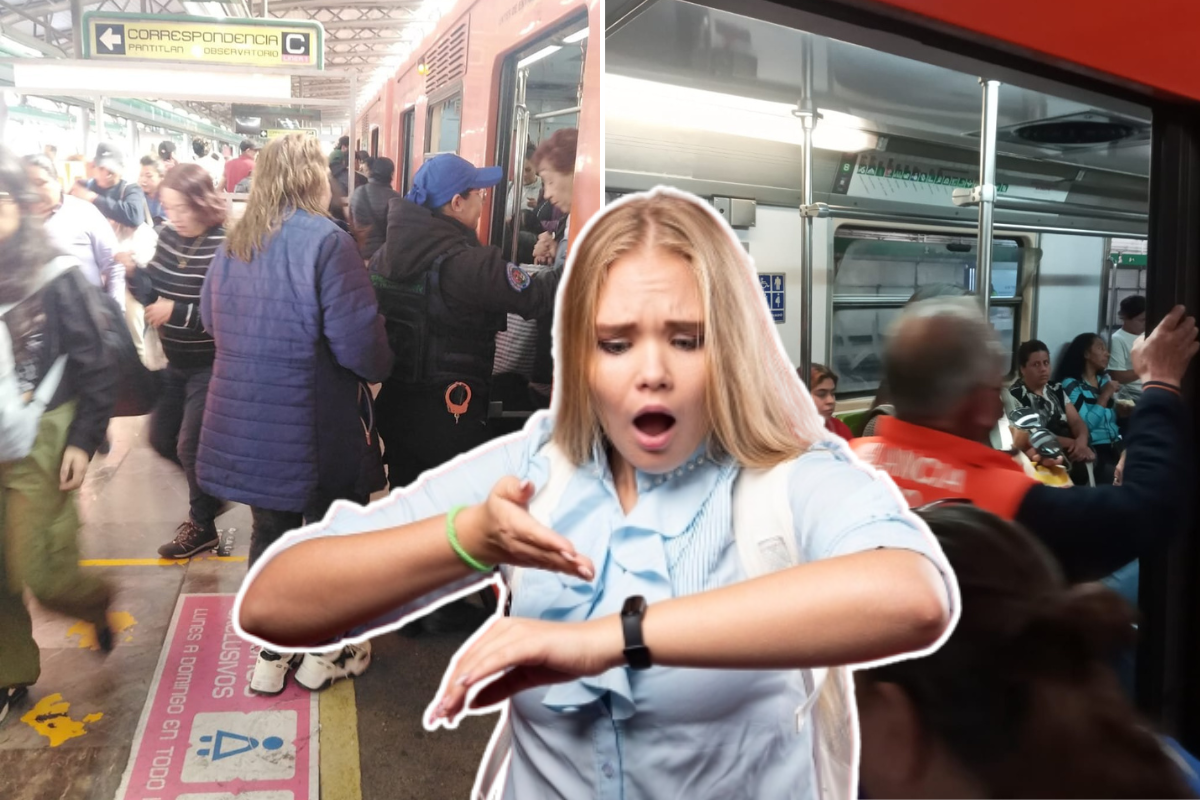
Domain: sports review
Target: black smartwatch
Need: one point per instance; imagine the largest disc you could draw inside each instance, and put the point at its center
(637, 655)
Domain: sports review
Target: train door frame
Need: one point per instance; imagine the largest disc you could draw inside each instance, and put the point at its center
(408, 123)
(1168, 674)
(511, 87)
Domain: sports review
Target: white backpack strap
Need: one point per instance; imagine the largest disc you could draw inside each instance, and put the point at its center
(764, 530)
(541, 506)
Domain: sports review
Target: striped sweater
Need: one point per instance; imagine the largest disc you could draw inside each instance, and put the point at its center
(177, 273)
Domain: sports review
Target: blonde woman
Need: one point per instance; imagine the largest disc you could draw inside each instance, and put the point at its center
(293, 319)
(671, 385)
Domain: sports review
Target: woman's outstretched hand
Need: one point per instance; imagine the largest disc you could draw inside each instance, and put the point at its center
(534, 653)
(502, 531)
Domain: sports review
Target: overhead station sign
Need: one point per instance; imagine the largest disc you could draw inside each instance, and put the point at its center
(171, 37)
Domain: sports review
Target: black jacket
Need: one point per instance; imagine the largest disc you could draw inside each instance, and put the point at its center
(475, 278)
(1096, 531)
(369, 211)
(61, 318)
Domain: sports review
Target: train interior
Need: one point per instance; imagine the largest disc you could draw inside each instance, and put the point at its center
(703, 99)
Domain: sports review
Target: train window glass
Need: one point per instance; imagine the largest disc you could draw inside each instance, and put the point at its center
(877, 271)
(375, 142)
(1126, 277)
(543, 84)
(445, 125)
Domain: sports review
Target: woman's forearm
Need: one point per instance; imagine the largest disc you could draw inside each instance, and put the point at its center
(323, 587)
(846, 610)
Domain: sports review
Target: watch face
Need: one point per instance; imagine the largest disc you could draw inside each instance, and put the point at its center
(634, 606)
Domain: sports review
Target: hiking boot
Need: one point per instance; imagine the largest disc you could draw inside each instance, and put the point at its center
(317, 672)
(190, 539)
(10, 697)
(270, 671)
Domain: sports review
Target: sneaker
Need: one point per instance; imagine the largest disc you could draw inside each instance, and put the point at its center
(270, 671)
(10, 697)
(317, 672)
(190, 539)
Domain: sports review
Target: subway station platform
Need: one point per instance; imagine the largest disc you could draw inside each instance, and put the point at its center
(166, 714)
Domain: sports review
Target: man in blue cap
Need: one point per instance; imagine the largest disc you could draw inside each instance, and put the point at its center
(445, 296)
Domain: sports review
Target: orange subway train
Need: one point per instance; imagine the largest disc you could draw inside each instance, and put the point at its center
(494, 80)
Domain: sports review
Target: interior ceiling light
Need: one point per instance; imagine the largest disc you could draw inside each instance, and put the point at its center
(697, 109)
(538, 56)
(578, 36)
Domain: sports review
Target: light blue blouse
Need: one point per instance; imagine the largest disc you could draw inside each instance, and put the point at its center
(661, 733)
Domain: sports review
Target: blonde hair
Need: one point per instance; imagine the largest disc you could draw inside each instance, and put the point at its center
(290, 174)
(759, 413)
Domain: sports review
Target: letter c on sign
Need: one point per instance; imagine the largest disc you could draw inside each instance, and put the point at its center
(295, 44)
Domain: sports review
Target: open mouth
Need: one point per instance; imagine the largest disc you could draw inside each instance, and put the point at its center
(654, 423)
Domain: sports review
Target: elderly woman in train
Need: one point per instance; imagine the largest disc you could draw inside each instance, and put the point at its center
(680, 506)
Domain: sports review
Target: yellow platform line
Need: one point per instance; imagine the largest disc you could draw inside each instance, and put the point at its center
(150, 562)
(341, 778)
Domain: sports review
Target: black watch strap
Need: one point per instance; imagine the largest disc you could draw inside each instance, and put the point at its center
(637, 655)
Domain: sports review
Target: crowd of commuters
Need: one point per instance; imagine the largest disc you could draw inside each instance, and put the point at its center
(989, 649)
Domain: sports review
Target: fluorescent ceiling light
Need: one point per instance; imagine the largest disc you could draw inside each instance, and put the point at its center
(578, 36)
(19, 49)
(697, 109)
(126, 80)
(538, 56)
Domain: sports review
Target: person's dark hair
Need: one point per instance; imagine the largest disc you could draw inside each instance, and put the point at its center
(362, 155)
(199, 147)
(196, 185)
(247, 144)
(166, 150)
(1022, 693)
(1070, 365)
(30, 247)
(344, 142)
(1029, 348)
(43, 163)
(151, 161)
(818, 373)
(558, 152)
(1133, 306)
(381, 170)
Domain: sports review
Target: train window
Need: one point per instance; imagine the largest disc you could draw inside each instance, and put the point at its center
(542, 85)
(876, 272)
(445, 125)
(374, 141)
(1126, 277)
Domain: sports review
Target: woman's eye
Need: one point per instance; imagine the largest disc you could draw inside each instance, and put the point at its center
(688, 342)
(614, 347)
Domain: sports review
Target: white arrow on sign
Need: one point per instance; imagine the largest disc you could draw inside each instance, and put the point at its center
(110, 38)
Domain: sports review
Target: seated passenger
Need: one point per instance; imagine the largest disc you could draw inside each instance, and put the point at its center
(1020, 701)
(1035, 390)
(1120, 363)
(1082, 375)
(659, 421)
(946, 369)
(822, 384)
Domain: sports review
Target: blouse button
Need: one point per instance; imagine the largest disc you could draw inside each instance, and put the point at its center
(607, 769)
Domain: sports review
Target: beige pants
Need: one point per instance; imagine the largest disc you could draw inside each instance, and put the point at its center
(135, 317)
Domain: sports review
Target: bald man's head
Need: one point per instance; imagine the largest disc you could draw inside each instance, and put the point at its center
(945, 367)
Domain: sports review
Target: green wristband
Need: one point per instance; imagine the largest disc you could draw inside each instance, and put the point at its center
(452, 535)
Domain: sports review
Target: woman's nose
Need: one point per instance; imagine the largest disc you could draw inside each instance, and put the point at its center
(653, 372)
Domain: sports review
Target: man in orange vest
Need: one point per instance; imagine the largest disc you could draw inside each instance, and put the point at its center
(946, 369)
